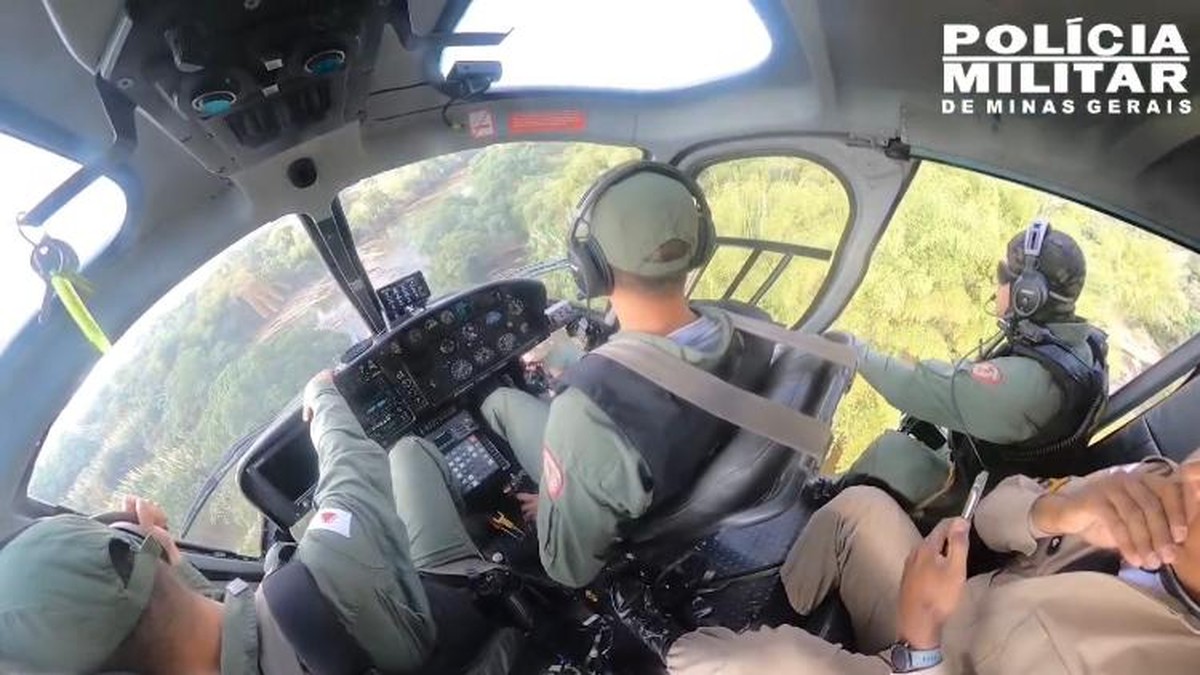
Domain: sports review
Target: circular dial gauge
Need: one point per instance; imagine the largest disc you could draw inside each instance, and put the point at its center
(483, 355)
(431, 324)
(507, 342)
(515, 306)
(447, 346)
(460, 370)
(446, 317)
(415, 337)
(470, 332)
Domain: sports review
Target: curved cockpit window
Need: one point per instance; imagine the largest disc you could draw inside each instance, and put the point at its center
(476, 215)
(629, 45)
(210, 363)
(87, 223)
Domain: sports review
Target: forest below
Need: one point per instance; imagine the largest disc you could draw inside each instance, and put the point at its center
(234, 344)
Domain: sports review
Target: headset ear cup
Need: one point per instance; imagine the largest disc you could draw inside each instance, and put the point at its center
(1028, 293)
(591, 272)
(601, 282)
(706, 238)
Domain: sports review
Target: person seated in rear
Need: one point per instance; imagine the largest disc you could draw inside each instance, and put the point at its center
(1104, 580)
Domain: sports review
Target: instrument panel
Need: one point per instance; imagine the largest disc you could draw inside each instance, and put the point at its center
(436, 355)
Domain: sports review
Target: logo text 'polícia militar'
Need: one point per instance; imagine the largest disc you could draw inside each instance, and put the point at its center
(1099, 69)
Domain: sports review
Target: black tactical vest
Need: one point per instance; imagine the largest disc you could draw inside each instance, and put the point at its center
(1057, 449)
(674, 437)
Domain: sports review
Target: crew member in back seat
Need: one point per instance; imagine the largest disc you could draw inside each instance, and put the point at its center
(1105, 580)
(1026, 406)
(611, 445)
(79, 597)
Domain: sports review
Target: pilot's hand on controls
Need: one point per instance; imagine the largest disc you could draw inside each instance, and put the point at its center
(153, 521)
(932, 586)
(321, 379)
(529, 506)
(1143, 513)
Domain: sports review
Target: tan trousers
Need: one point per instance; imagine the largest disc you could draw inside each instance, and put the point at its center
(856, 544)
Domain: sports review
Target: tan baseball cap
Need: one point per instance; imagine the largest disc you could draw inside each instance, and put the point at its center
(635, 219)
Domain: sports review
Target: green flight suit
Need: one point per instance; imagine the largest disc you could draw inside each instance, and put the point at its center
(361, 562)
(590, 477)
(1001, 400)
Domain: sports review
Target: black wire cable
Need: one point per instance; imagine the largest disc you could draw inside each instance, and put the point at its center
(403, 87)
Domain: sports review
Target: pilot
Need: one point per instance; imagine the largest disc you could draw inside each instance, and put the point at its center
(1105, 580)
(1027, 404)
(610, 445)
(77, 596)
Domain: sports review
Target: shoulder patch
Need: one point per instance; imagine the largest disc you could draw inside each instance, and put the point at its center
(552, 474)
(987, 373)
(334, 520)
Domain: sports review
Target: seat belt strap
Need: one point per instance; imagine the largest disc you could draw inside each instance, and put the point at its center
(843, 355)
(306, 619)
(719, 398)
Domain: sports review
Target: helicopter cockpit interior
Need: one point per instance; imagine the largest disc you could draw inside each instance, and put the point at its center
(382, 187)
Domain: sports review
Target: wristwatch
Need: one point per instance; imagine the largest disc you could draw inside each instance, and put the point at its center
(905, 659)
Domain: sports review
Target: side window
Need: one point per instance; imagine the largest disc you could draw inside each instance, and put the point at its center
(87, 223)
(929, 290)
(212, 361)
(779, 221)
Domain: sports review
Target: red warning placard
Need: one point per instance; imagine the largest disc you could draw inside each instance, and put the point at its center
(546, 122)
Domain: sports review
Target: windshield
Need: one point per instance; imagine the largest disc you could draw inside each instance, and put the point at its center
(660, 45)
(211, 362)
(475, 215)
(88, 223)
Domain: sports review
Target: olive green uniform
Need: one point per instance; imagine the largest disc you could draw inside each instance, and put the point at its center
(58, 577)
(1002, 400)
(591, 479)
(365, 571)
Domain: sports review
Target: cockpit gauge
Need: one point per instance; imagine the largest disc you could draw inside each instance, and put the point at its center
(431, 324)
(507, 342)
(515, 306)
(460, 370)
(447, 346)
(470, 332)
(483, 354)
(446, 317)
(415, 337)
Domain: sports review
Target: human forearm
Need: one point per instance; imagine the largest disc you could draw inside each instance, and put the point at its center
(353, 469)
(922, 389)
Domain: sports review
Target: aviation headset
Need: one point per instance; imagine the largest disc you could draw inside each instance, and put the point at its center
(1029, 291)
(592, 272)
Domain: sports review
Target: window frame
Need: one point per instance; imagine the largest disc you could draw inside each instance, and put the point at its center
(764, 151)
(21, 124)
(26, 505)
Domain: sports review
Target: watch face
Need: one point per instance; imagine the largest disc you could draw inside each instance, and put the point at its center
(900, 658)
(905, 659)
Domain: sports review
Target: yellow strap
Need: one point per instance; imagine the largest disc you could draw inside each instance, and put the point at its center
(79, 312)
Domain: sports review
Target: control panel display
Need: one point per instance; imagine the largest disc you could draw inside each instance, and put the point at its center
(471, 456)
(434, 356)
(400, 297)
